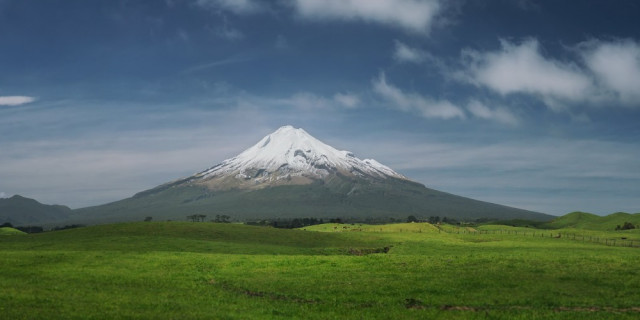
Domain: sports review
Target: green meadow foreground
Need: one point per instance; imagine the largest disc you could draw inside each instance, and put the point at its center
(175, 270)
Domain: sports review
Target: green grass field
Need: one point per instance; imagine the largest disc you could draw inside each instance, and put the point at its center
(174, 270)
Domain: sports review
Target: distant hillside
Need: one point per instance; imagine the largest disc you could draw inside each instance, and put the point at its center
(20, 211)
(583, 220)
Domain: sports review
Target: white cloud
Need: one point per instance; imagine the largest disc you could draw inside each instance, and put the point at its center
(404, 53)
(604, 73)
(347, 100)
(523, 69)
(229, 33)
(616, 66)
(413, 15)
(12, 101)
(413, 102)
(3, 195)
(499, 114)
(235, 6)
(311, 101)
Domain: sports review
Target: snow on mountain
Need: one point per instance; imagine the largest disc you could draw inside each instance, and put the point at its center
(290, 153)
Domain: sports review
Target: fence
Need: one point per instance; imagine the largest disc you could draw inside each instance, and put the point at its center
(616, 242)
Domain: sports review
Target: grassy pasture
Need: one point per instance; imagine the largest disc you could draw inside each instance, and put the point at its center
(173, 270)
(582, 220)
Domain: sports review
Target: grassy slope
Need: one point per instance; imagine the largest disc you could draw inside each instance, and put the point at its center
(203, 270)
(582, 220)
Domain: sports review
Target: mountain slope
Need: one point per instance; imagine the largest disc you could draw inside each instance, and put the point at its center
(290, 174)
(19, 211)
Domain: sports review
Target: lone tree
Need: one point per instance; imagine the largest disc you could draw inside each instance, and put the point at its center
(147, 219)
(412, 219)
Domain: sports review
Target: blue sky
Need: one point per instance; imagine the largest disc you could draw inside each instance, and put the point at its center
(533, 104)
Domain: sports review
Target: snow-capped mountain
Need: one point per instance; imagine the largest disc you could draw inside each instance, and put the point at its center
(290, 174)
(289, 156)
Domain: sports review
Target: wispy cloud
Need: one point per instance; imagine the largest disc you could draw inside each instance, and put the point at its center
(311, 101)
(412, 15)
(415, 103)
(218, 63)
(404, 53)
(240, 7)
(499, 114)
(11, 101)
(226, 31)
(347, 100)
(307, 101)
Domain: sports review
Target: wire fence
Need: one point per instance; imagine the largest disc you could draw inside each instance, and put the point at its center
(609, 241)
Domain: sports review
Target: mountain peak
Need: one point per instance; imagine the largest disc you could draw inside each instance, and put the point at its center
(291, 155)
(291, 174)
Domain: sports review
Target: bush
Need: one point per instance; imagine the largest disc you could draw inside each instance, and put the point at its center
(626, 226)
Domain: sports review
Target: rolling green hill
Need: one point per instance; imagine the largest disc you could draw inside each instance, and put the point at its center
(194, 237)
(583, 220)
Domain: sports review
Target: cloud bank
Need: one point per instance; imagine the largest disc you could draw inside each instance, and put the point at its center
(602, 73)
(412, 15)
(616, 67)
